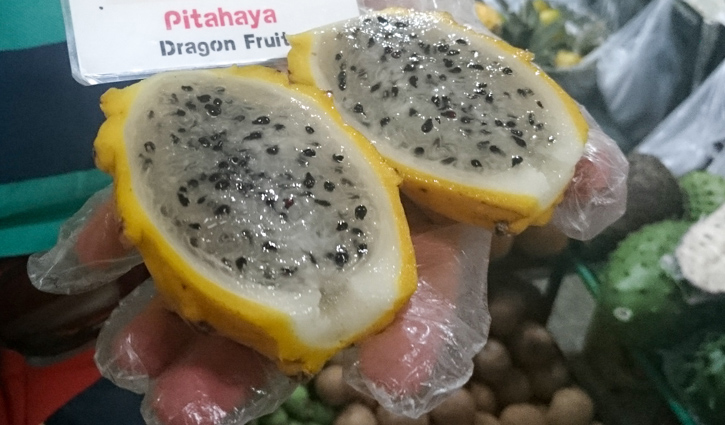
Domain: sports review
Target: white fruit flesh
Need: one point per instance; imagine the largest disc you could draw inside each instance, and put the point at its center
(437, 97)
(252, 221)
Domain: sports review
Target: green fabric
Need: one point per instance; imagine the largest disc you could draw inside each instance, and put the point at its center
(32, 211)
(30, 23)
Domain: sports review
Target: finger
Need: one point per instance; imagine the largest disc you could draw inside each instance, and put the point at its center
(100, 240)
(151, 341)
(215, 378)
(401, 358)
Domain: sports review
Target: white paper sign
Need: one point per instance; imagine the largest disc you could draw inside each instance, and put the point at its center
(116, 40)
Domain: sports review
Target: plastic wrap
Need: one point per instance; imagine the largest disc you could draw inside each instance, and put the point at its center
(427, 353)
(88, 253)
(597, 194)
(692, 137)
(188, 375)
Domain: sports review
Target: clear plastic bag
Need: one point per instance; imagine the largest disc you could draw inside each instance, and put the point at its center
(437, 334)
(692, 137)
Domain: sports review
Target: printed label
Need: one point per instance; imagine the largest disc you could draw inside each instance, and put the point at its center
(116, 40)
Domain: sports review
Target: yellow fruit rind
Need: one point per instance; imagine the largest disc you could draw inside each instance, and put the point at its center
(203, 302)
(459, 202)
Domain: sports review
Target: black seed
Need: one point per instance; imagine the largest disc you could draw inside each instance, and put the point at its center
(489, 98)
(453, 52)
(477, 66)
(322, 202)
(442, 77)
(309, 152)
(482, 145)
(329, 186)
(375, 87)
(413, 80)
(309, 130)
(309, 181)
(409, 67)
(384, 121)
(181, 130)
(195, 226)
(456, 70)
(342, 80)
(338, 56)
(466, 120)
(382, 20)
(427, 126)
(204, 142)
(541, 105)
(186, 88)
(371, 42)
(337, 158)
(174, 98)
(341, 257)
(150, 114)
(519, 141)
(269, 246)
(341, 225)
(447, 62)
(253, 136)
(443, 48)
(273, 150)
(362, 249)
(149, 147)
(510, 124)
(261, 120)
(419, 151)
(532, 119)
(718, 146)
(451, 115)
(358, 108)
(214, 177)
(518, 133)
(401, 25)
(551, 139)
(240, 263)
(222, 185)
(462, 41)
(201, 200)
(476, 163)
(412, 111)
(449, 160)
(212, 110)
(495, 149)
(180, 112)
(183, 200)
(193, 183)
(194, 242)
(396, 54)
(190, 105)
(507, 71)
(498, 123)
(360, 212)
(222, 209)
(174, 138)
(204, 98)
(217, 102)
(394, 90)
(516, 160)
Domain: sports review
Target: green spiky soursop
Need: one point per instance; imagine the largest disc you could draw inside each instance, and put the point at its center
(640, 301)
(703, 192)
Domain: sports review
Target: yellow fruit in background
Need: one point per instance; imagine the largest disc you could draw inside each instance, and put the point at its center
(489, 17)
(548, 16)
(566, 58)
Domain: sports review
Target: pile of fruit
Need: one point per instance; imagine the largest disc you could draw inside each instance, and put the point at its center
(520, 378)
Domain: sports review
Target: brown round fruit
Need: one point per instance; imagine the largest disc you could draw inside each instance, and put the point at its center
(570, 406)
(332, 388)
(507, 312)
(493, 363)
(515, 389)
(547, 380)
(522, 414)
(483, 418)
(459, 408)
(484, 397)
(532, 346)
(385, 417)
(356, 414)
(541, 242)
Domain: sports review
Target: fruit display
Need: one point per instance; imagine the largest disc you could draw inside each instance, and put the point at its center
(520, 377)
(479, 134)
(558, 36)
